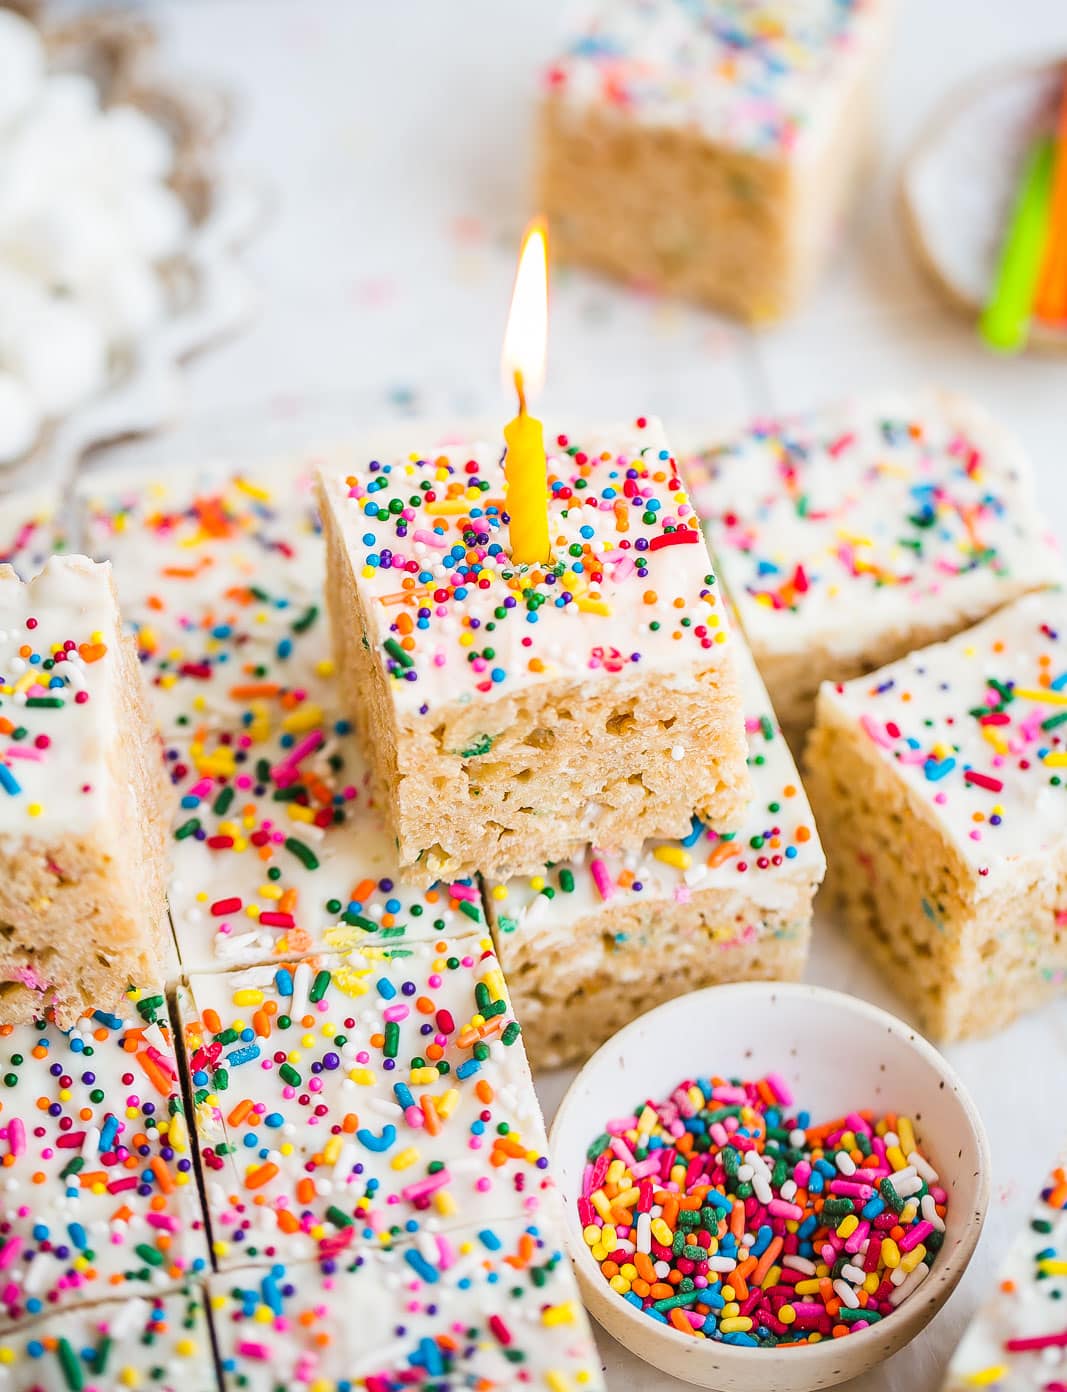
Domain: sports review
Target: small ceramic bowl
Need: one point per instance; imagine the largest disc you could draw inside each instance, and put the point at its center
(838, 1054)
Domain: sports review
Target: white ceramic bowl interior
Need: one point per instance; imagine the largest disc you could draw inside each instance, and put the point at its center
(838, 1054)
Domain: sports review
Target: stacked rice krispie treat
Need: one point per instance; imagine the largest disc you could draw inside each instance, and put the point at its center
(588, 720)
(592, 942)
(510, 713)
(710, 148)
(854, 534)
(83, 801)
(938, 786)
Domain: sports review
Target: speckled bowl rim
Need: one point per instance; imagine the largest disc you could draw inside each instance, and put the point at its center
(889, 1333)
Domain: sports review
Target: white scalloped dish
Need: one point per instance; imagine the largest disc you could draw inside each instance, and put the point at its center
(117, 237)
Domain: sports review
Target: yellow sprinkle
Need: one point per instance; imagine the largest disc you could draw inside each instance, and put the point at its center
(673, 855)
(405, 1159)
(1048, 698)
(563, 1313)
(984, 1377)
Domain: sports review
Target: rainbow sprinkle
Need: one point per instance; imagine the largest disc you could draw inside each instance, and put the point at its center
(728, 1215)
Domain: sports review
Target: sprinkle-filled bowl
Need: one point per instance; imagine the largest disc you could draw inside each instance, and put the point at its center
(835, 1055)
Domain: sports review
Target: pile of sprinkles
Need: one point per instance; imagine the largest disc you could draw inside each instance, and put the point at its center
(724, 1212)
(431, 544)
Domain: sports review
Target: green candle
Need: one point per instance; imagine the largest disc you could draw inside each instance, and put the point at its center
(1005, 320)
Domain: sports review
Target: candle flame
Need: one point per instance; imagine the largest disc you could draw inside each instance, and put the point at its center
(526, 336)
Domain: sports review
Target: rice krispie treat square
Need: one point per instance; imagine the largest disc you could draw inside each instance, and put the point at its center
(219, 573)
(510, 713)
(84, 800)
(278, 850)
(1018, 1339)
(938, 788)
(709, 149)
(855, 534)
(355, 1100)
(492, 1306)
(591, 943)
(162, 1342)
(99, 1196)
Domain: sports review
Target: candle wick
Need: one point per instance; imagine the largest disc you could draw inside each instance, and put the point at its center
(521, 391)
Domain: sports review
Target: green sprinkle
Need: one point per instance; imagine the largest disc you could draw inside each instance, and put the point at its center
(303, 853)
(68, 1361)
(397, 653)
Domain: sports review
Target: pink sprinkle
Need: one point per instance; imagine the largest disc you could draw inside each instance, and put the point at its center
(780, 1088)
(780, 1209)
(916, 1234)
(433, 539)
(16, 1138)
(463, 891)
(253, 1350)
(602, 879)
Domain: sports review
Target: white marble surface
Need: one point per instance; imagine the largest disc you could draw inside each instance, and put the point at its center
(396, 139)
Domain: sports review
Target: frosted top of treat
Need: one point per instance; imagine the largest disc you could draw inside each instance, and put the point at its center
(99, 1195)
(278, 849)
(29, 531)
(493, 1307)
(977, 728)
(219, 574)
(871, 515)
(630, 585)
(60, 665)
(160, 1342)
(757, 74)
(777, 846)
(359, 1099)
(1017, 1338)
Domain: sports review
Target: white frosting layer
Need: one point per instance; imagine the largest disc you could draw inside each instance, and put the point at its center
(453, 621)
(59, 674)
(976, 728)
(30, 530)
(765, 75)
(874, 516)
(776, 851)
(493, 1307)
(1018, 1339)
(397, 1099)
(219, 573)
